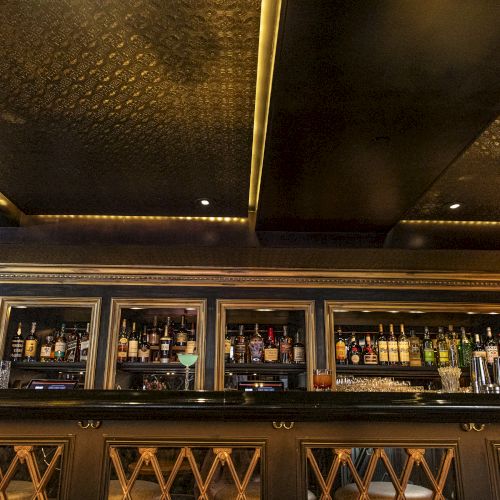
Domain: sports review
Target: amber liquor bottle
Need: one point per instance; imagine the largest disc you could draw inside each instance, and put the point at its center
(144, 352)
(369, 354)
(133, 346)
(392, 346)
(31, 345)
(270, 347)
(286, 346)
(340, 349)
(60, 344)
(123, 343)
(240, 346)
(299, 349)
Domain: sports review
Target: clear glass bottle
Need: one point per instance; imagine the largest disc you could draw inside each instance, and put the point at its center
(17, 344)
(286, 346)
(227, 347)
(490, 346)
(166, 342)
(299, 349)
(454, 359)
(443, 358)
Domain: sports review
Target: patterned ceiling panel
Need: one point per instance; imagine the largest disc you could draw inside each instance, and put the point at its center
(127, 106)
(473, 180)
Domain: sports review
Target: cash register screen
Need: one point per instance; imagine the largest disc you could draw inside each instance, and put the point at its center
(52, 384)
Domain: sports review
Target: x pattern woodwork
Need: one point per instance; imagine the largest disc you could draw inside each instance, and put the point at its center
(416, 456)
(222, 458)
(26, 454)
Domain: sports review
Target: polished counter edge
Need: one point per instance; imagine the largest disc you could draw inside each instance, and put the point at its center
(241, 406)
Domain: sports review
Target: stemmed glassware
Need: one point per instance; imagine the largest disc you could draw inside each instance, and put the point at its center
(187, 360)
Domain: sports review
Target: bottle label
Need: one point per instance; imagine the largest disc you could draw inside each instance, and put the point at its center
(299, 354)
(84, 350)
(17, 349)
(340, 351)
(255, 346)
(404, 352)
(144, 354)
(45, 351)
(491, 352)
(30, 348)
(444, 356)
(60, 350)
(392, 348)
(227, 346)
(429, 355)
(191, 346)
(133, 347)
(271, 354)
(383, 352)
(355, 358)
(370, 359)
(181, 338)
(285, 346)
(239, 352)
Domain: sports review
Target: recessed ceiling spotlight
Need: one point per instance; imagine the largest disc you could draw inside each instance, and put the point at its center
(204, 202)
(137, 308)
(265, 310)
(454, 206)
(21, 307)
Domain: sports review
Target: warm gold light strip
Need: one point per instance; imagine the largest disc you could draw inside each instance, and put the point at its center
(240, 220)
(454, 222)
(269, 26)
(8, 208)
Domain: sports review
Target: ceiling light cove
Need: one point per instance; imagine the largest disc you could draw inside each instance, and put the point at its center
(204, 202)
(454, 206)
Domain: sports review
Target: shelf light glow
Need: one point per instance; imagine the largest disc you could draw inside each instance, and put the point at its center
(135, 218)
(453, 222)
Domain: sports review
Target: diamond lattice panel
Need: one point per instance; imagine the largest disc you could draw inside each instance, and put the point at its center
(127, 107)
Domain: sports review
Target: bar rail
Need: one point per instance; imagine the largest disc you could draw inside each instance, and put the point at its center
(238, 406)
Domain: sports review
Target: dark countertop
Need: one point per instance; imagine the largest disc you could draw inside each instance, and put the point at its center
(241, 406)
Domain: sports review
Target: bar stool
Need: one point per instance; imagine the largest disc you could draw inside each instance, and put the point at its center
(142, 490)
(20, 490)
(383, 490)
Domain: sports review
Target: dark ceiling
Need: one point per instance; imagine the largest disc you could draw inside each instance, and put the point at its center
(381, 111)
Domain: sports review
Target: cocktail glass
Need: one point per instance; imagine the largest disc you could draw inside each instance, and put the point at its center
(322, 379)
(187, 360)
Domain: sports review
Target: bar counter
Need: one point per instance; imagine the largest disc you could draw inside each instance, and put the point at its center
(254, 406)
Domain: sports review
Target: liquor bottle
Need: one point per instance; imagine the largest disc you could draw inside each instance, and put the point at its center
(299, 349)
(392, 346)
(240, 346)
(47, 349)
(478, 349)
(286, 346)
(144, 351)
(73, 346)
(60, 344)
(490, 346)
(191, 340)
(465, 349)
(123, 343)
(256, 346)
(166, 341)
(429, 358)
(270, 347)
(227, 347)
(181, 336)
(84, 344)
(369, 355)
(17, 345)
(403, 347)
(382, 348)
(415, 350)
(31, 345)
(453, 350)
(154, 341)
(354, 351)
(133, 345)
(340, 349)
(443, 357)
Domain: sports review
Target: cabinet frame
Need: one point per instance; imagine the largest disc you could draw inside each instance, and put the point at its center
(92, 303)
(224, 305)
(200, 305)
(333, 306)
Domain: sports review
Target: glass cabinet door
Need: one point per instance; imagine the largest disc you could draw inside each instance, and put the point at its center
(156, 344)
(265, 345)
(51, 343)
(409, 341)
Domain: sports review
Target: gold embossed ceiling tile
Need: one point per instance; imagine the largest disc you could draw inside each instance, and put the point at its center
(146, 101)
(473, 180)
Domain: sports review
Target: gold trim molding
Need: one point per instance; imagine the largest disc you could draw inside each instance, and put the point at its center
(92, 303)
(247, 277)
